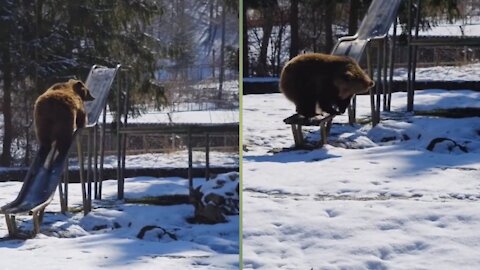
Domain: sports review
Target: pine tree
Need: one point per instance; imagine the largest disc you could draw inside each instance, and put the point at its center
(45, 41)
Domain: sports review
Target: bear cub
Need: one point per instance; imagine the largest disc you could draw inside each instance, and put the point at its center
(58, 112)
(321, 81)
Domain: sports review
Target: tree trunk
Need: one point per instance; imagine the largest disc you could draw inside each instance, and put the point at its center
(222, 52)
(278, 52)
(245, 50)
(353, 17)
(267, 32)
(6, 157)
(294, 40)
(329, 15)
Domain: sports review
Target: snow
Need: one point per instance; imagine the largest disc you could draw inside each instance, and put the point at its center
(458, 29)
(468, 72)
(108, 237)
(186, 117)
(177, 159)
(373, 198)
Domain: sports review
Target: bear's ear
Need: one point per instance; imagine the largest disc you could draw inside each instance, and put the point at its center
(88, 96)
(348, 75)
(78, 88)
(82, 91)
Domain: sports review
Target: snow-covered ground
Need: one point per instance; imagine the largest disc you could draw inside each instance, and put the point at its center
(185, 116)
(373, 198)
(441, 73)
(177, 159)
(194, 117)
(467, 72)
(458, 28)
(109, 237)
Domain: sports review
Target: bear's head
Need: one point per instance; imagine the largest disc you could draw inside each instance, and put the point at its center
(352, 80)
(81, 90)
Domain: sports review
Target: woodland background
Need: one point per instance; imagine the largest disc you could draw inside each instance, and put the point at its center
(278, 30)
(163, 46)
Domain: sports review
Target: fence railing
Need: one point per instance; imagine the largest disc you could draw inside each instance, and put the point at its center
(139, 142)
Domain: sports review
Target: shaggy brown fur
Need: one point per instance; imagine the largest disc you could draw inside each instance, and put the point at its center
(58, 112)
(326, 81)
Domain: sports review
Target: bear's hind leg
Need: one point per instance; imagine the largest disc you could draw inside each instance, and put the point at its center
(63, 143)
(343, 105)
(307, 107)
(63, 136)
(327, 107)
(43, 131)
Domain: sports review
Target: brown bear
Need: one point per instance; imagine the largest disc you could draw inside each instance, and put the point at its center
(58, 112)
(324, 81)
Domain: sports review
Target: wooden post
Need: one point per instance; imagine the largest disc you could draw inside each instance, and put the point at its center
(392, 65)
(124, 156)
(81, 173)
(207, 156)
(329, 125)
(66, 180)
(414, 63)
(190, 162)
(119, 150)
(385, 71)
(295, 135)
(89, 170)
(378, 86)
(102, 157)
(124, 137)
(95, 161)
(372, 92)
(410, 54)
(323, 134)
(62, 198)
(325, 126)
(102, 152)
(300, 134)
(352, 110)
(36, 222)
(11, 224)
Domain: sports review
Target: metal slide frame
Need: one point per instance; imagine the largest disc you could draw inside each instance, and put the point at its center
(45, 172)
(374, 27)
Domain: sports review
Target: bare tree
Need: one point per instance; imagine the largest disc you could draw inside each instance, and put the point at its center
(267, 28)
(245, 49)
(328, 23)
(294, 38)
(222, 52)
(6, 157)
(353, 17)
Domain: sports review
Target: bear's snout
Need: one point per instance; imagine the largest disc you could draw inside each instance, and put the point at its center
(369, 84)
(88, 96)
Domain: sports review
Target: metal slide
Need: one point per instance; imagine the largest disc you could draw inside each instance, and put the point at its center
(45, 172)
(375, 25)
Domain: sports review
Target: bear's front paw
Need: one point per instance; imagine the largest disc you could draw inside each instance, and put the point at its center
(333, 111)
(341, 111)
(81, 122)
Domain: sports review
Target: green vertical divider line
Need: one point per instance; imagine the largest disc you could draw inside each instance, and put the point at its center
(240, 131)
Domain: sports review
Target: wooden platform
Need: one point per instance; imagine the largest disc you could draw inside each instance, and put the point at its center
(296, 121)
